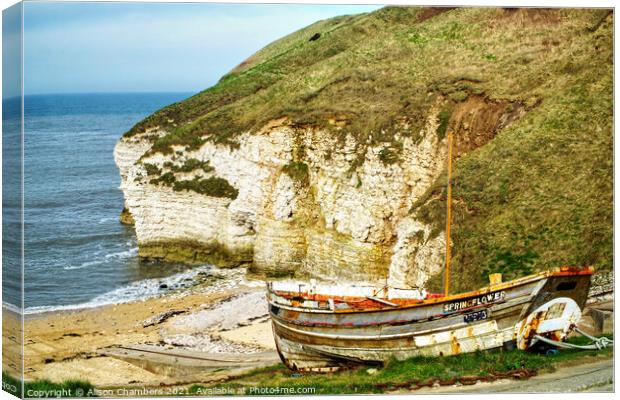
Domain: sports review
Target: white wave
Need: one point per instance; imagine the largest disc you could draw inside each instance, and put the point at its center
(123, 254)
(139, 290)
(83, 265)
(118, 255)
(11, 307)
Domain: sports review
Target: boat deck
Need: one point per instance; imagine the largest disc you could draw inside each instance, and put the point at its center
(351, 297)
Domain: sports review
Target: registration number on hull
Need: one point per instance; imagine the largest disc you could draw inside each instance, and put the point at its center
(476, 316)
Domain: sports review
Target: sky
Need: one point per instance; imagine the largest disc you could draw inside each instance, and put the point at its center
(151, 47)
(11, 50)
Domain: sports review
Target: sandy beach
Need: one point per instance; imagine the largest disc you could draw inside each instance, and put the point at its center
(222, 315)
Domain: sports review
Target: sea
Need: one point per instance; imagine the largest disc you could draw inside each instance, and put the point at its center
(76, 252)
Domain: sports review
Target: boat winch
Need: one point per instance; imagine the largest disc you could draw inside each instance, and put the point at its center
(553, 320)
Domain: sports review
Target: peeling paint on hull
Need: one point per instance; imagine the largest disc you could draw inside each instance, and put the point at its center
(312, 336)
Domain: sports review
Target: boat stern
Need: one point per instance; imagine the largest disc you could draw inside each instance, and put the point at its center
(556, 308)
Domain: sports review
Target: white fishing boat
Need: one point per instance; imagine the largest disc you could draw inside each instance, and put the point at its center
(323, 327)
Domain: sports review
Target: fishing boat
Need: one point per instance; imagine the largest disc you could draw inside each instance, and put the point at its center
(324, 327)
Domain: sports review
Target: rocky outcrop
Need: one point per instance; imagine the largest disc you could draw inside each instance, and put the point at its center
(126, 218)
(333, 222)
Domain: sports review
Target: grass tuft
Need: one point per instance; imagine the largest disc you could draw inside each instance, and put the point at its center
(190, 165)
(46, 388)
(298, 171)
(212, 186)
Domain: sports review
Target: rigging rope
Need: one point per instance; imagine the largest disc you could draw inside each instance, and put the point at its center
(596, 343)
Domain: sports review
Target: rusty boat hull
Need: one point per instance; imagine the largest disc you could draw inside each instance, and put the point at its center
(326, 328)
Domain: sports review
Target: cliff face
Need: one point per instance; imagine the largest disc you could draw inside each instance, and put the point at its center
(326, 158)
(330, 222)
(300, 208)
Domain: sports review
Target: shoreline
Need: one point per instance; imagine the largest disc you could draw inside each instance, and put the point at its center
(217, 316)
(140, 290)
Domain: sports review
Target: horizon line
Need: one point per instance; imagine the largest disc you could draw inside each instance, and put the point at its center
(101, 93)
(110, 92)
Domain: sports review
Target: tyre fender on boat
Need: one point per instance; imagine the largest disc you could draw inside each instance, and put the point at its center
(554, 320)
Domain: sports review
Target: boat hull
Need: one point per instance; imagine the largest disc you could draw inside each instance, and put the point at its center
(309, 337)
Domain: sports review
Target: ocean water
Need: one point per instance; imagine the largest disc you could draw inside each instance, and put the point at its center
(77, 254)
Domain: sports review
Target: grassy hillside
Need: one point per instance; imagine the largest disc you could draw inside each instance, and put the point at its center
(539, 194)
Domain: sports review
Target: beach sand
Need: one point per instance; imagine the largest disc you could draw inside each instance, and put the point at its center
(69, 344)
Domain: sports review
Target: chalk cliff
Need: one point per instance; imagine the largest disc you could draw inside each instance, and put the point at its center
(310, 214)
(332, 223)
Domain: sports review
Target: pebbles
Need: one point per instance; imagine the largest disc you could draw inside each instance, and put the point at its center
(201, 330)
(209, 343)
(159, 318)
(228, 314)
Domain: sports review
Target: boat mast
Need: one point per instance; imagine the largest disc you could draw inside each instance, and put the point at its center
(446, 284)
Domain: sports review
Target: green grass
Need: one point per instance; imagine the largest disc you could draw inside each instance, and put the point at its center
(444, 119)
(538, 195)
(45, 388)
(412, 372)
(152, 169)
(189, 165)
(373, 69)
(212, 186)
(298, 171)
(388, 156)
